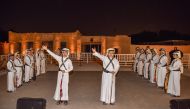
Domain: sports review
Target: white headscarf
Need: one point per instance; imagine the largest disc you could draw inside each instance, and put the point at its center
(163, 49)
(110, 49)
(67, 50)
(178, 53)
(26, 51)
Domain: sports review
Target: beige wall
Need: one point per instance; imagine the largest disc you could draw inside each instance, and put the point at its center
(4, 48)
(75, 42)
(121, 42)
(184, 48)
(38, 38)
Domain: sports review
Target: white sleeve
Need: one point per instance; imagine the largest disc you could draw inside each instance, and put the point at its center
(101, 57)
(56, 57)
(146, 59)
(156, 59)
(136, 56)
(27, 61)
(176, 66)
(10, 67)
(17, 63)
(163, 61)
(117, 66)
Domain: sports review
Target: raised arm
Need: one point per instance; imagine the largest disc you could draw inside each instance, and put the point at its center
(56, 57)
(95, 53)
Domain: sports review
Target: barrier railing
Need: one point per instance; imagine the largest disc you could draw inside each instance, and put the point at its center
(124, 59)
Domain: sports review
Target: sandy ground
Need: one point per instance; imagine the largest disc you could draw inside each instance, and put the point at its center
(132, 92)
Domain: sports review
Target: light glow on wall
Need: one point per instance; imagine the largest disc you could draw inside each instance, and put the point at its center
(12, 47)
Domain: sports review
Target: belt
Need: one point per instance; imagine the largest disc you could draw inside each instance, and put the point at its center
(18, 66)
(106, 71)
(176, 70)
(10, 71)
(62, 70)
(26, 64)
(164, 65)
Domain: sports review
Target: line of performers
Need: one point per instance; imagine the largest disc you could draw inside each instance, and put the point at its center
(36, 62)
(110, 65)
(158, 68)
(23, 69)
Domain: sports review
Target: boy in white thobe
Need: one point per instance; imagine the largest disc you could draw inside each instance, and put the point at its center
(148, 57)
(19, 67)
(28, 66)
(136, 59)
(65, 66)
(140, 64)
(110, 69)
(38, 59)
(32, 62)
(153, 65)
(176, 69)
(43, 62)
(161, 68)
(11, 74)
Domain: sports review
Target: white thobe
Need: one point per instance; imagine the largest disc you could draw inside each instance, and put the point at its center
(10, 76)
(148, 57)
(38, 59)
(19, 67)
(174, 78)
(28, 65)
(32, 68)
(161, 70)
(136, 61)
(140, 64)
(62, 77)
(152, 67)
(108, 79)
(43, 62)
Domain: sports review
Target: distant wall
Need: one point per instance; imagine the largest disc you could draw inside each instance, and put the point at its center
(4, 48)
(184, 48)
(121, 42)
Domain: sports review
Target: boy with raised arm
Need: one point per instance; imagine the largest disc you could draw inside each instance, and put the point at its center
(65, 66)
(110, 69)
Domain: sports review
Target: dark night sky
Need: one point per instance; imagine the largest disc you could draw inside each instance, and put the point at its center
(95, 16)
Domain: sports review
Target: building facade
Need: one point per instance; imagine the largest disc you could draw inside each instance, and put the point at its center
(75, 41)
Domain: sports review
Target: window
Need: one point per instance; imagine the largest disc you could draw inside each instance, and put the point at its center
(88, 47)
(18, 47)
(30, 45)
(63, 45)
(116, 50)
